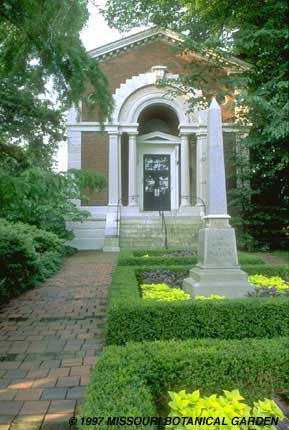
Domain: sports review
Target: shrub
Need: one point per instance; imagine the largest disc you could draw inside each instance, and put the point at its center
(228, 408)
(130, 318)
(133, 380)
(164, 252)
(246, 258)
(163, 292)
(128, 259)
(173, 257)
(45, 198)
(27, 256)
(281, 270)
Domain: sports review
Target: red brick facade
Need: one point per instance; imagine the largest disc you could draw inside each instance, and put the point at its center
(94, 156)
(140, 59)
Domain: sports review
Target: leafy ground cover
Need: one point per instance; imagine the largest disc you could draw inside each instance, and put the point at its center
(227, 410)
(162, 292)
(269, 286)
(170, 277)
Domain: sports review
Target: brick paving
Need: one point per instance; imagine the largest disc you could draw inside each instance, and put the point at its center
(50, 338)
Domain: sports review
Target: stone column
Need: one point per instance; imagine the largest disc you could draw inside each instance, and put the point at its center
(113, 169)
(132, 177)
(185, 171)
(217, 270)
(73, 115)
(73, 148)
(74, 152)
(119, 170)
(111, 232)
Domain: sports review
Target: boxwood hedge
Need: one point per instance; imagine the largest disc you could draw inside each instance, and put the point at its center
(134, 380)
(163, 257)
(130, 318)
(281, 270)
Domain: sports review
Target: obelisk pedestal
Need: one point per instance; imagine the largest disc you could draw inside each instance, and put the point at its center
(217, 270)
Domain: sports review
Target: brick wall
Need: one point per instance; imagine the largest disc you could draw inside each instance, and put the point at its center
(140, 59)
(94, 156)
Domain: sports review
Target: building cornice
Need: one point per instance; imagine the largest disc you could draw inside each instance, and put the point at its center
(142, 37)
(112, 48)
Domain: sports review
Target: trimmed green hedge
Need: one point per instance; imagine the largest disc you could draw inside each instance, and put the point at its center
(157, 252)
(28, 255)
(127, 258)
(133, 380)
(160, 257)
(130, 318)
(281, 270)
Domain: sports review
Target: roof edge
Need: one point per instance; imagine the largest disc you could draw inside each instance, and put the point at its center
(134, 38)
(137, 38)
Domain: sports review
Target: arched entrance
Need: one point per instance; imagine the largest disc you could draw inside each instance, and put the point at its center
(158, 148)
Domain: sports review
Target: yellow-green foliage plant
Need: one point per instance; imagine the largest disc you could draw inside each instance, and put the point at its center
(161, 292)
(211, 297)
(228, 411)
(261, 281)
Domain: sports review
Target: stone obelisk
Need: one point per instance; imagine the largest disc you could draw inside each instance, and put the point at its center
(217, 270)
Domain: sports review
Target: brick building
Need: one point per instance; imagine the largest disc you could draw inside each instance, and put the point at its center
(153, 152)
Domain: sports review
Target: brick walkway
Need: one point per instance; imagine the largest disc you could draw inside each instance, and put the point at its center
(50, 338)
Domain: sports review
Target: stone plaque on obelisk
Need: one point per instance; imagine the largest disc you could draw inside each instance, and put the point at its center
(217, 270)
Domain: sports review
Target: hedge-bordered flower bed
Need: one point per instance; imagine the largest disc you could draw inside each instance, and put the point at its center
(134, 380)
(130, 318)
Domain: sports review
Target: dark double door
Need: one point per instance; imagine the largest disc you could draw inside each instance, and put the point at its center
(157, 195)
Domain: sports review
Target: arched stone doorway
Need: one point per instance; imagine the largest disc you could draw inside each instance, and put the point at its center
(151, 122)
(158, 158)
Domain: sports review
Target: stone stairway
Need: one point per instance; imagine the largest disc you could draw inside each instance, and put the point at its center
(147, 232)
(89, 235)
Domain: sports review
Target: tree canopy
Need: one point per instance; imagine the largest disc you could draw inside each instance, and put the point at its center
(257, 33)
(44, 68)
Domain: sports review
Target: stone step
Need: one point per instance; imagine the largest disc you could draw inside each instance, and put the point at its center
(158, 221)
(148, 235)
(157, 230)
(89, 235)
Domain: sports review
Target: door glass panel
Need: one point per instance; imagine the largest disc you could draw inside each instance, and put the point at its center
(156, 163)
(157, 182)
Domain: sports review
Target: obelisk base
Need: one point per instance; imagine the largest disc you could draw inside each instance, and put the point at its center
(217, 271)
(221, 281)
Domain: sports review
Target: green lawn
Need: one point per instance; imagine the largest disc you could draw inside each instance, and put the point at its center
(281, 254)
